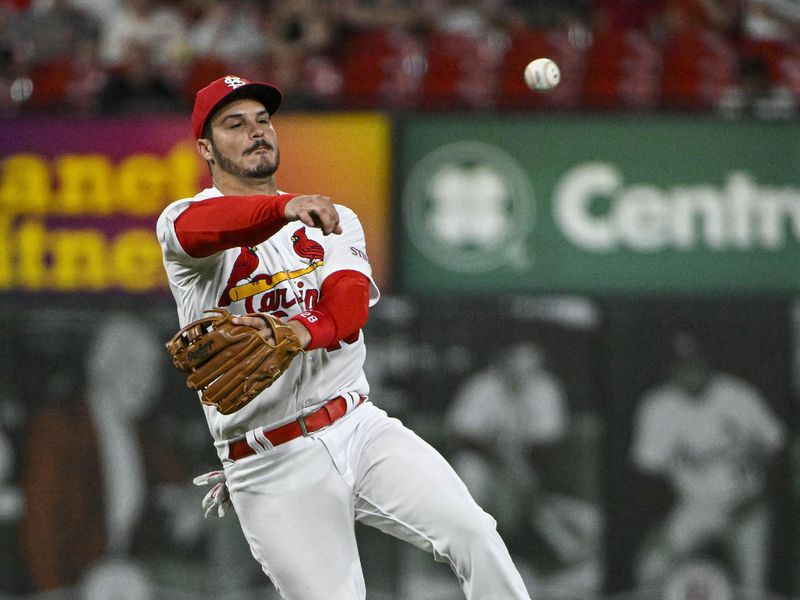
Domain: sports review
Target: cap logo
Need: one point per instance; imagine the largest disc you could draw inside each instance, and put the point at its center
(234, 82)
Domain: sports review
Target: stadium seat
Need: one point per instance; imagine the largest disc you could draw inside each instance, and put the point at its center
(382, 68)
(525, 45)
(782, 59)
(463, 71)
(623, 70)
(699, 66)
(51, 81)
(202, 71)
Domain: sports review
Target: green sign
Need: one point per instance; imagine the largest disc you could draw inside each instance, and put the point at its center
(599, 205)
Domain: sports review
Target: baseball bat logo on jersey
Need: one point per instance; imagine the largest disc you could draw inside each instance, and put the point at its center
(243, 267)
(243, 285)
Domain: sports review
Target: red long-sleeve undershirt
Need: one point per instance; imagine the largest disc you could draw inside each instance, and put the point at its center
(342, 309)
(217, 224)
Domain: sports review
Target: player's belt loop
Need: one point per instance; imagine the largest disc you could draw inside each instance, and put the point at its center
(353, 400)
(302, 422)
(251, 440)
(261, 441)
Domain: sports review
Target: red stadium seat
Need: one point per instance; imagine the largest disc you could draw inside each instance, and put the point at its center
(782, 60)
(463, 71)
(51, 81)
(382, 68)
(201, 72)
(623, 70)
(699, 66)
(536, 43)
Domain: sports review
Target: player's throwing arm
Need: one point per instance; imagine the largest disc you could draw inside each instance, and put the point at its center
(315, 211)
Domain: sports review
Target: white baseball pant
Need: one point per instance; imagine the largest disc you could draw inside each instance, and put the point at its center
(297, 504)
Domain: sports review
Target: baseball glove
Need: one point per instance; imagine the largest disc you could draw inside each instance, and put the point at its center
(231, 364)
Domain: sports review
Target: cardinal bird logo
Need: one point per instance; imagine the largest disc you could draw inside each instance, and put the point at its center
(306, 248)
(243, 267)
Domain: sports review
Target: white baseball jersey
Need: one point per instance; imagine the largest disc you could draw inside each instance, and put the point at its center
(711, 446)
(282, 275)
(533, 414)
(366, 466)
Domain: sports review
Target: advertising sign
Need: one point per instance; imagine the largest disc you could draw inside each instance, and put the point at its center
(599, 205)
(79, 198)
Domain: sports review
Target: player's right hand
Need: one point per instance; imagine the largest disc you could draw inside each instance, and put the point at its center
(315, 211)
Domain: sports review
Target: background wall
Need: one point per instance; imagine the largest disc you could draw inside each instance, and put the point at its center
(542, 276)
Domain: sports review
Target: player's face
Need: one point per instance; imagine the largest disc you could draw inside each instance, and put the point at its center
(244, 142)
(693, 376)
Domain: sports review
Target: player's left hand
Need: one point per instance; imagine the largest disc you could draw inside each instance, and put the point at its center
(218, 498)
(230, 363)
(256, 323)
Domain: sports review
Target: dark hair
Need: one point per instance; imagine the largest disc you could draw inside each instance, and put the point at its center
(207, 130)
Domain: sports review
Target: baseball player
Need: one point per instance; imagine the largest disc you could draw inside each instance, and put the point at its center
(311, 454)
(711, 434)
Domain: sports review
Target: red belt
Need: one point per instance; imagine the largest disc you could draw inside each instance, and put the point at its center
(329, 412)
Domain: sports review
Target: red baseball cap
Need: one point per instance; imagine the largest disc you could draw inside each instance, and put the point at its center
(228, 88)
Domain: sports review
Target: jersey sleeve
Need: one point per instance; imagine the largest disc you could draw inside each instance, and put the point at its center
(217, 224)
(653, 435)
(167, 236)
(198, 228)
(348, 251)
(184, 271)
(763, 428)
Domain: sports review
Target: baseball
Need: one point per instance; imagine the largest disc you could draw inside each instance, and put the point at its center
(542, 74)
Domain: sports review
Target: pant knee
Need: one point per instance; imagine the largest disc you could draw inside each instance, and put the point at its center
(477, 530)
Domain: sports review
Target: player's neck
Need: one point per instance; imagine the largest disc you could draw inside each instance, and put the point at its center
(230, 185)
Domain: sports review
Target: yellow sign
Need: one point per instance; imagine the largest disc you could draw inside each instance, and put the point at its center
(78, 214)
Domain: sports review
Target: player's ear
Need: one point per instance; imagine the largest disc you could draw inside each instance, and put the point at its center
(204, 149)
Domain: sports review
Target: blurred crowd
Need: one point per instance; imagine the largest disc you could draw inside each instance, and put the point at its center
(737, 57)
